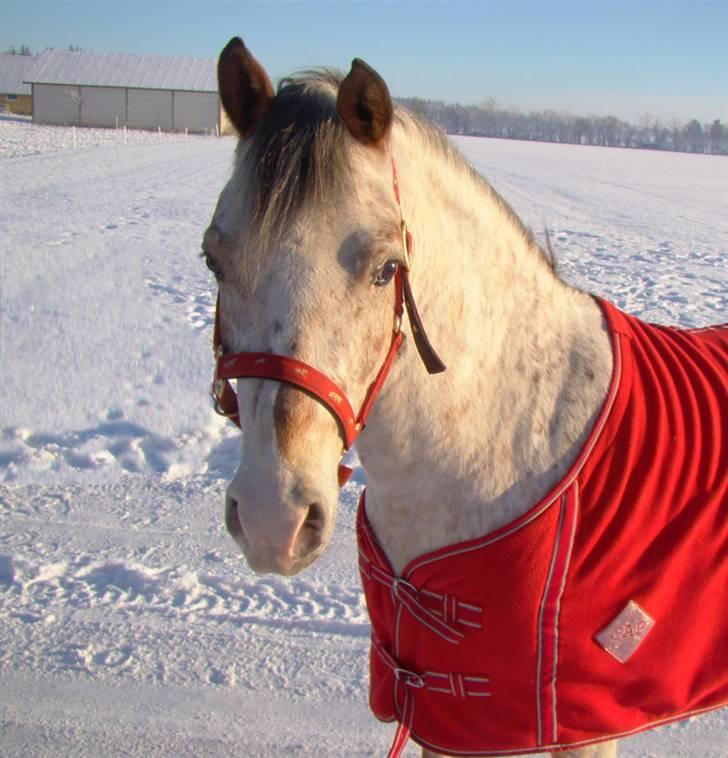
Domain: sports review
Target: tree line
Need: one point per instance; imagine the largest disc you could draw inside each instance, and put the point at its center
(22, 50)
(25, 50)
(489, 119)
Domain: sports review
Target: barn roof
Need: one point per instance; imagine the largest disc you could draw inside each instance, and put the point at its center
(13, 71)
(124, 70)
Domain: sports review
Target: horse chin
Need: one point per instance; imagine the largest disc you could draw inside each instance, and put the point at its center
(271, 565)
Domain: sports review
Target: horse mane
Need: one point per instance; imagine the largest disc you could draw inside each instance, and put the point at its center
(299, 155)
(436, 139)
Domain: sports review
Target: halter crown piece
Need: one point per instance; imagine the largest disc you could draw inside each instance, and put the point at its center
(282, 368)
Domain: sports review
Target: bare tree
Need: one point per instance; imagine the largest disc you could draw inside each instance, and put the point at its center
(695, 137)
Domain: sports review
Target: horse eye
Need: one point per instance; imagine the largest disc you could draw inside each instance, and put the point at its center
(212, 264)
(385, 273)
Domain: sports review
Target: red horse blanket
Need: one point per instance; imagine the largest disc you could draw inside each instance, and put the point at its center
(603, 610)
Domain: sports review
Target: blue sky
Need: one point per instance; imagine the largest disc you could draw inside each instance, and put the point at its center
(668, 58)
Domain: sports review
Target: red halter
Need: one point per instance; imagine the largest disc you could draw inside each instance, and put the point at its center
(285, 369)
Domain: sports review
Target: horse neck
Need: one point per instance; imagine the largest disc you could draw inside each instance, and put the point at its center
(529, 363)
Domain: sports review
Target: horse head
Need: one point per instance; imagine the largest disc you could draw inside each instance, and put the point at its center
(306, 240)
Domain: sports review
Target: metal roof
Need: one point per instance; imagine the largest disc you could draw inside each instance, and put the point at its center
(124, 70)
(13, 71)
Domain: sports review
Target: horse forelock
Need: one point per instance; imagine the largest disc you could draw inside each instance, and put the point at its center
(298, 156)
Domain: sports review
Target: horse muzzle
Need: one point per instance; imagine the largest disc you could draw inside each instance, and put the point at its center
(279, 540)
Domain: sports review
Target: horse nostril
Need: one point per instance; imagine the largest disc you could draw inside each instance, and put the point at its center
(232, 522)
(314, 518)
(311, 534)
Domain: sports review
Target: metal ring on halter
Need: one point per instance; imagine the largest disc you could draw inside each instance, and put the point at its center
(220, 412)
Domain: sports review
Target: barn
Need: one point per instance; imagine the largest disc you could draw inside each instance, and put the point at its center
(138, 91)
(14, 92)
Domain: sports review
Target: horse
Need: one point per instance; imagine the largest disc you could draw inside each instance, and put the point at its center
(372, 287)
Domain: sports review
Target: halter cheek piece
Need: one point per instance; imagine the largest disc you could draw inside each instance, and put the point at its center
(282, 368)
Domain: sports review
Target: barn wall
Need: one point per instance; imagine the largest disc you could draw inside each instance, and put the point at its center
(56, 104)
(196, 111)
(149, 109)
(117, 106)
(103, 106)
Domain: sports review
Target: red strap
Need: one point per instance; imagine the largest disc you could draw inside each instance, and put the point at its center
(399, 743)
(376, 386)
(284, 369)
(430, 358)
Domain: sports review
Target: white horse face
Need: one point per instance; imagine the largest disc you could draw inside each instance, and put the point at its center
(313, 284)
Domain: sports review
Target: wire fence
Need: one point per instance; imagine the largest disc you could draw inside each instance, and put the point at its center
(19, 136)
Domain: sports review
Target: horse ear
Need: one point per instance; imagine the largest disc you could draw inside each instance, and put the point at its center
(364, 105)
(245, 89)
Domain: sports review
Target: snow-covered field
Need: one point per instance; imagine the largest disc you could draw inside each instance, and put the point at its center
(128, 623)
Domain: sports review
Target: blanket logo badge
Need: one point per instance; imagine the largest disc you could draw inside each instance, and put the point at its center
(627, 632)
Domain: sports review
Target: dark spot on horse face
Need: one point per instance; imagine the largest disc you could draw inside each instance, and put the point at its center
(536, 377)
(277, 327)
(589, 374)
(292, 416)
(360, 251)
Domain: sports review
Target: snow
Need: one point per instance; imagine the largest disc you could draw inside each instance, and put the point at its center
(128, 622)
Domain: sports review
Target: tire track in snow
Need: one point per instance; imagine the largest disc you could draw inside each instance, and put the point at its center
(176, 594)
(69, 611)
(138, 582)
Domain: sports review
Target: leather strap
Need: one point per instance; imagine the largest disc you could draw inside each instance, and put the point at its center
(427, 353)
(284, 369)
(430, 358)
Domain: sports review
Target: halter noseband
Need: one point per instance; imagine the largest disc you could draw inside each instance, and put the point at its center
(282, 368)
